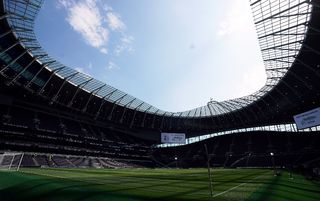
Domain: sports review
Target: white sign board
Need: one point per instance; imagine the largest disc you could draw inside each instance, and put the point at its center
(174, 138)
(308, 119)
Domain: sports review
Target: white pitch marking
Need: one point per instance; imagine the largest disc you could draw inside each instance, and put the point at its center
(230, 189)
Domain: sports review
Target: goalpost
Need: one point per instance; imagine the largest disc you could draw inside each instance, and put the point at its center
(11, 161)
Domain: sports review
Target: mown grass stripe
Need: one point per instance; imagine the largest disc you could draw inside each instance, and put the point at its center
(143, 184)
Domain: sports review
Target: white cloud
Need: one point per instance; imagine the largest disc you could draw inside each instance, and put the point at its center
(85, 18)
(107, 8)
(85, 70)
(111, 65)
(90, 65)
(82, 70)
(104, 50)
(95, 23)
(115, 22)
(236, 19)
(124, 45)
(250, 80)
(225, 29)
(64, 3)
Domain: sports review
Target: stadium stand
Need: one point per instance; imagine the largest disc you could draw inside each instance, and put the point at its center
(70, 161)
(55, 134)
(63, 118)
(251, 149)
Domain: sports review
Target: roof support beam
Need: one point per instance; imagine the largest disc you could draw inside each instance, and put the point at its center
(211, 114)
(22, 71)
(134, 114)
(79, 87)
(105, 98)
(144, 116)
(37, 73)
(215, 113)
(55, 97)
(114, 105)
(92, 94)
(8, 48)
(283, 57)
(281, 45)
(283, 11)
(244, 106)
(52, 74)
(5, 33)
(125, 109)
(236, 108)
(312, 49)
(28, 3)
(162, 119)
(12, 62)
(286, 29)
(254, 105)
(154, 118)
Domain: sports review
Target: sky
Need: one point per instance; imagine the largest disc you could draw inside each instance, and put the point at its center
(173, 54)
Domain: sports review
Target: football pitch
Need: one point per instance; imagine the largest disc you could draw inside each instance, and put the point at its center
(153, 184)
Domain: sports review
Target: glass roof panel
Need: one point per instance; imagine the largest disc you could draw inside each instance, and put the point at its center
(280, 25)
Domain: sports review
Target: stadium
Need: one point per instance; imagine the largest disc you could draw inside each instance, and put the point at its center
(65, 135)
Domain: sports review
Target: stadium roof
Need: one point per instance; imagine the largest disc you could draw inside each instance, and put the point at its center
(282, 28)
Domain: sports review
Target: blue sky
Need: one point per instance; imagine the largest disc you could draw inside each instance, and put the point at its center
(173, 54)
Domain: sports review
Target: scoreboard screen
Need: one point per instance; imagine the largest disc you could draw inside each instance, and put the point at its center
(173, 138)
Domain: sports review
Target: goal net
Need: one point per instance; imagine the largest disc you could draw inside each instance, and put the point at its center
(10, 161)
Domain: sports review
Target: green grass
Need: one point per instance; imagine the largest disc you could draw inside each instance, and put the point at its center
(153, 184)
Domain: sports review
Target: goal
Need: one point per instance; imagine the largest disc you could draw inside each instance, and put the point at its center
(11, 161)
